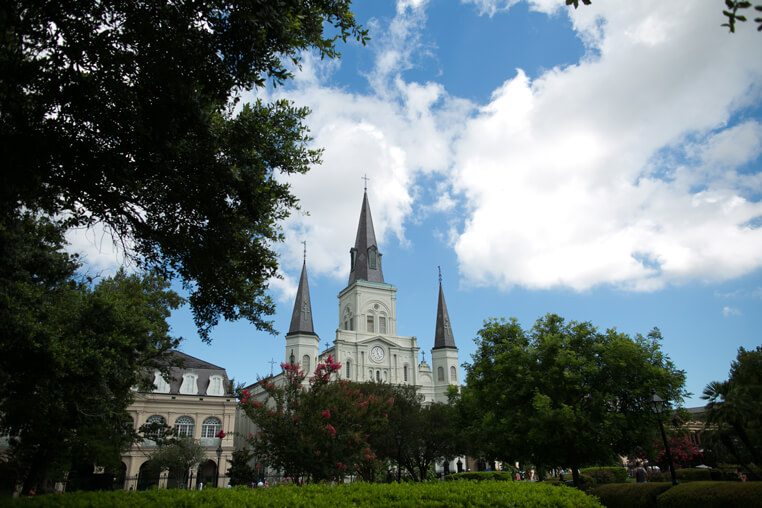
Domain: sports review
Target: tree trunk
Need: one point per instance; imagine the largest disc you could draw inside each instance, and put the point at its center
(575, 474)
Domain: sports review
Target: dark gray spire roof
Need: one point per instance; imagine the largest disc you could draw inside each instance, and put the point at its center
(365, 258)
(301, 318)
(443, 337)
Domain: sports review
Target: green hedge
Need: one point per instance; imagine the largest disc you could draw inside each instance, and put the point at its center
(693, 474)
(478, 476)
(713, 495)
(630, 495)
(603, 475)
(531, 495)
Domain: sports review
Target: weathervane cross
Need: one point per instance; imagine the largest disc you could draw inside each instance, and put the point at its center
(365, 177)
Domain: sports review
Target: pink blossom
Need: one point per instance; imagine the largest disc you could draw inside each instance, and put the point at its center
(221, 434)
(331, 430)
(326, 414)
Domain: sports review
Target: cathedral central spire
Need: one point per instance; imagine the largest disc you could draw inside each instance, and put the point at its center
(364, 256)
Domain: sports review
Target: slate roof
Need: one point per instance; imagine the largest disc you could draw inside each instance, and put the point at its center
(301, 317)
(203, 369)
(364, 242)
(443, 337)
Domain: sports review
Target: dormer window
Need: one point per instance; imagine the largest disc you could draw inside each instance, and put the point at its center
(215, 386)
(190, 385)
(160, 385)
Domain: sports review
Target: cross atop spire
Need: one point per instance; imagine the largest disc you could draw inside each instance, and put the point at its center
(304, 242)
(439, 269)
(365, 177)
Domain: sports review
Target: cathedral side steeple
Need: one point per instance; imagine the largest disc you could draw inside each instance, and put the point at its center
(443, 337)
(301, 318)
(365, 259)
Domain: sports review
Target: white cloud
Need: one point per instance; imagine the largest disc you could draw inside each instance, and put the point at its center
(730, 311)
(582, 177)
(100, 251)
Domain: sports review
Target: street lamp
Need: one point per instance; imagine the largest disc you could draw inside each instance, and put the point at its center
(219, 459)
(659, 405)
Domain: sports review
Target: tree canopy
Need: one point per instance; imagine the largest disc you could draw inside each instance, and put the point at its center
(733, 408)
(126, 114)
(70, 352)
(563, 393)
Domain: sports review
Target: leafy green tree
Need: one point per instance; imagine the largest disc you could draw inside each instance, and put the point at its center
(70, 352)
(734, 414)
(241, 472)
(127, 114)
(178, 457)
(563, 393)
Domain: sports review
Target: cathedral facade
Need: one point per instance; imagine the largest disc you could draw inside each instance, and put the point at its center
(367, 342)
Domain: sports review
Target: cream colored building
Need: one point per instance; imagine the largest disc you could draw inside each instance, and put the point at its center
(197, 402)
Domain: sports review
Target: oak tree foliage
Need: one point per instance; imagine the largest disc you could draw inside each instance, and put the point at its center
(129, 115)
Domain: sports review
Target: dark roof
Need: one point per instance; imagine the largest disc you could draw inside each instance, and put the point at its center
(364, 243)
(203, 369)
(443, 337)
(301, 317)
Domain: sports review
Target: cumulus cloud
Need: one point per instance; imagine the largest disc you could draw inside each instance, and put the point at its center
(624, 169)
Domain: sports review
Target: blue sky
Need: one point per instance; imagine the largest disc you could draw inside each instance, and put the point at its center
(603, 164)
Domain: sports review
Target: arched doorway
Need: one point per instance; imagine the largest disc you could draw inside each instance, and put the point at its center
(207, 472)
(177, 478)
(148, 477)
(120, 476)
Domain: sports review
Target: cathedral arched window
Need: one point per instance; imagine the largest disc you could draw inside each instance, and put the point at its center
(378, 376)
(211, 427)
(349, 369)
(453, 375)
(370, 324)
(306, 363)
(348, 319)
(184, 426)
(440, 374)
(404, 373)
(381, 324)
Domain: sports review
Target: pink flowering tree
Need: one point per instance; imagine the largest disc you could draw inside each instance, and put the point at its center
(317, 434)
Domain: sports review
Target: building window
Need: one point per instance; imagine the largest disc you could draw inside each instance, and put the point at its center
(349, 369)
(189, 386)
(155, 426)
(160, 385)
(306, 363)
(215, 386)
(453, 375)
(404, 373)
(211, 427)
(440, 374)
(372, 259)
(370, 324)
(378, 376)
(184, 426)
(381, 324)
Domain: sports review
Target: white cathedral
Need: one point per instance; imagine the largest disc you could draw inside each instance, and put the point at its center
(367, 344)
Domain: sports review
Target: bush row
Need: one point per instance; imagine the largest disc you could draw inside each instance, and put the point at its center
(693, 474)
(503, 476)
(603, 475)
(455, 493)
(686, 495)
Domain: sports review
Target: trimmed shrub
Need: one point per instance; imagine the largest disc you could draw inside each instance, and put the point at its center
(630, 495)
(586, 482)
(604, 475)
(501, 476)
(457, 493)
(713, 495)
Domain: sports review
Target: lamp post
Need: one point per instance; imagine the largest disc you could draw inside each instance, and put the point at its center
(398, 438)
(658, 405)
(219, 459)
